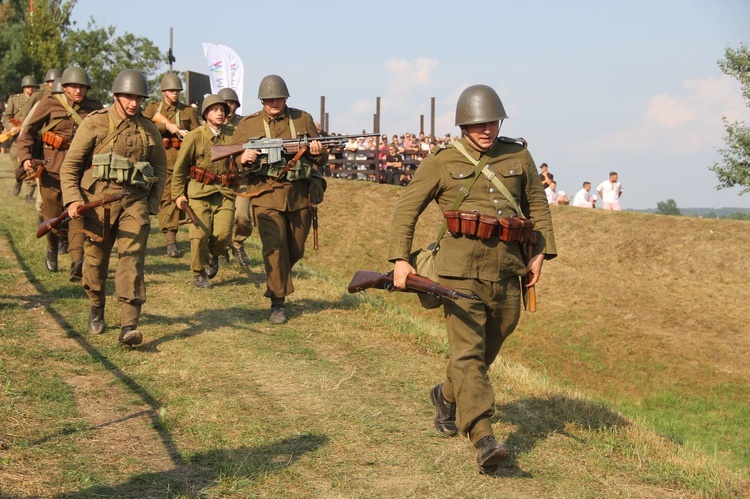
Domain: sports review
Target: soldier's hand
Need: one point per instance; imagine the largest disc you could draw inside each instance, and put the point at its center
(249, 156)
(14, 130)
(28, 166)
(316, 148)
(401, 270)
(73, 209)
(172, 128)
(181, 202)
(534, 269)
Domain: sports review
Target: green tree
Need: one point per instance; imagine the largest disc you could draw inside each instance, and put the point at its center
(668, 207)
(734, 169)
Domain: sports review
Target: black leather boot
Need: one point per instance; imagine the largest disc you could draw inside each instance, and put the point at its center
(130, 336)
(445, 418)
(490, 453)
(241, 256)
(51, 259)
(213, 267)
(96, 320)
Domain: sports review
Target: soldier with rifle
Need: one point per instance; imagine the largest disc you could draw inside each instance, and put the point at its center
(281, 189)
(12, 119)
(207, 187)
(116, 151)
(488, 182)
(174, 120)
(55, 122)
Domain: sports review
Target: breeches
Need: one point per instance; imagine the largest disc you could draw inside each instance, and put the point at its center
(131, 237)
(216, 215)
(476, 331)
(243, 223)
(283, 235)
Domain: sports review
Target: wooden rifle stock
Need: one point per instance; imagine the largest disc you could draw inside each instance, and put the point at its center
(224, 151)
(37, 164)
(529, 293)
(191, 214)
(63, 217)
(8, 134)
(160, 118)
(366, 279)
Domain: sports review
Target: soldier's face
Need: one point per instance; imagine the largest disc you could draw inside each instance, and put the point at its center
(274, 107)
(128, 104)
(483, 135)
(215, 115)
(75, 91)
(171, 96)
(233, 105)
(28, 90)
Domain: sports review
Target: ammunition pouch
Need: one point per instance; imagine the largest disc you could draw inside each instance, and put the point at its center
(317, 187)
(204, 176)
(171, 142)
(472, 224)
(55, 141)
(143, 175)
(109, 166)
(302, 170)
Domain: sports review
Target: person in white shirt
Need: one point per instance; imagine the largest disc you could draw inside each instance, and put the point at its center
(554, 196)
(584, 198)
(610, 191)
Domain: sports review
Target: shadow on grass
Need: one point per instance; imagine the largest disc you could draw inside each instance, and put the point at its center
(537, 418)
(219, 470)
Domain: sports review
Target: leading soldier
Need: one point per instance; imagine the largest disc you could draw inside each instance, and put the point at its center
(174, 120)
(489, 267)
(281, 206)
(12, 119)
(55, 122)
(116, 150)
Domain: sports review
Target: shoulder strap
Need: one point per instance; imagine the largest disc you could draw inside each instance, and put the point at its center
(492, 178)
(71, 112)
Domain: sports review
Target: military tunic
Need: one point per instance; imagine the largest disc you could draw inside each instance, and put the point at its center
(137, 139)
(490, 268)
(213, 203)
(186, 118)
(51, 111)
(282, 211)
(15, 110)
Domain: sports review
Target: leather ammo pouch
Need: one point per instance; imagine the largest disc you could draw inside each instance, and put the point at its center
(471, 223)
(516, 230)
(206, 177)
(488, 226)
(452, 223)
(469, 220)
(171, 142)
(55, 141)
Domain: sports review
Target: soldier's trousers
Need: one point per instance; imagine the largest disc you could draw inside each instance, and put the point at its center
(131, 237)
(212, 238)
(476, 331)
(29, 186)
(243, 223)
(52, 206)
(169, 215)
(283, 235)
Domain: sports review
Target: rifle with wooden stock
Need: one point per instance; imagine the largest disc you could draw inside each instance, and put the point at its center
(63, 217)
(8, 134)
(275, 147)
(366, 279)
(37, 164)
(160, 118)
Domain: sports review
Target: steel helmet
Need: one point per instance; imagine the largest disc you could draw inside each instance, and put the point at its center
(57, 87)
(272, 87)
(210, 100)
(52, 74)
(130, 81)
(75, 75)
(228, 94)
(479, 104)
(29, 81)
(170, 82)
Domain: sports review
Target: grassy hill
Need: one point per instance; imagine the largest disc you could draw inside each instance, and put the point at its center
(630, 381)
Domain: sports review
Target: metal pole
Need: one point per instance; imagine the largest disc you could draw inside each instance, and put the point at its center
(377, 115)
(432, 117)
(323, 124)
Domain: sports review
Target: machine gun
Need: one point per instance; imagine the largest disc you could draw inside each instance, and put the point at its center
(275, 147)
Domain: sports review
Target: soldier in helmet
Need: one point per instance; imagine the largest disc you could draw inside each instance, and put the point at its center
(208, 187)
(12, 119)
(281, 206)
(243, 224)
(173, 119)
(55, 122)
(115, 151)
(43, 92)
(460, 177)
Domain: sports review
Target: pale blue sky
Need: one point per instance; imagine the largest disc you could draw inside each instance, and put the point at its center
(593, 86)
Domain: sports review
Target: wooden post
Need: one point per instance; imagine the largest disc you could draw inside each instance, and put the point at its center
(432, 117)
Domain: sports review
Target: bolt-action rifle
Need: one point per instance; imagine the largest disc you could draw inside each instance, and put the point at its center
(275, 147)
(7, 134)
(54, 223)
(366, 279)
(37, 164)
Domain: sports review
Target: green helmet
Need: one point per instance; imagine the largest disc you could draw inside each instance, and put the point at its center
(75, 75)
(130, 81)
(479, 104)
(52, 74)
(29, 81)
(272, 87)
(228, 94)
(170, 82)
(210, 100)
(57, 87)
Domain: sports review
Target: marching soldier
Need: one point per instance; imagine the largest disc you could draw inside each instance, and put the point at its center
(505, 187)
(12, 119)
(116, 151)
(207, 186)
(55, 122)
(43, 92)
(243, 224)
(174, 120)
(281, 208)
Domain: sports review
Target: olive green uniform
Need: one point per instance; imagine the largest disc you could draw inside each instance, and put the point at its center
(490, 268)
(243, 223)
(186, 118)
(15, 110)
(52, 116)
(213, 203)
(282, 212)
(137, 140)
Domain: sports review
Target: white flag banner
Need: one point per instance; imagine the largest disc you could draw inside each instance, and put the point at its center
(225, 69)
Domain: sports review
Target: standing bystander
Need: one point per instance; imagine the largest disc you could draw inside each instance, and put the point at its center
(610, 191)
